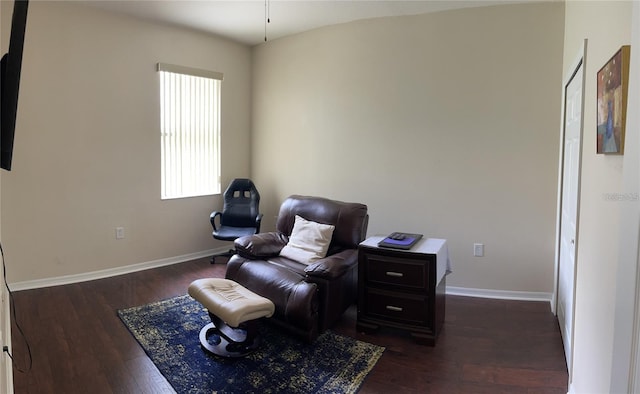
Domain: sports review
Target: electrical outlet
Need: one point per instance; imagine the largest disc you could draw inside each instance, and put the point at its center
(478, 250)
(119, 232)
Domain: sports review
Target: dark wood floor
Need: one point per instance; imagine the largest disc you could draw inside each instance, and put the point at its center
(79, 345)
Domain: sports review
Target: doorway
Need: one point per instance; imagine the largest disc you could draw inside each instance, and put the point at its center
(569, 203)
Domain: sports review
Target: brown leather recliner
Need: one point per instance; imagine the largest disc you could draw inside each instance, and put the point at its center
(308, 298)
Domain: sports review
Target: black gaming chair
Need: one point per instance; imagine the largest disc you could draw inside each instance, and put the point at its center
(240, 214)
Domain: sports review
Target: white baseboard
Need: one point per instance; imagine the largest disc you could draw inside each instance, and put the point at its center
(7, 363)
(68, 279)
(501, 294)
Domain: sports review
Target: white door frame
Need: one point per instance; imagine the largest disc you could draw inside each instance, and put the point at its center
(580, 61)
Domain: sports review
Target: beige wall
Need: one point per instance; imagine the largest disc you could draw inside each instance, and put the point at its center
(444, 124)
(87, 155)
(598, 242)
(624, 335)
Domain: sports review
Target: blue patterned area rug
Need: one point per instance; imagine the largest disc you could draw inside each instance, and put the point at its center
(168, 331)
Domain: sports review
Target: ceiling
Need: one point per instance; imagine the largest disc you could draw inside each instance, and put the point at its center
(244, 20)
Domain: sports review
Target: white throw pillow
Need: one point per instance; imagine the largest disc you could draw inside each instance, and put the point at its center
(309, 241)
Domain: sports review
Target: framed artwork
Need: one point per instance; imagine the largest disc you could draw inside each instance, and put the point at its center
(613, 86)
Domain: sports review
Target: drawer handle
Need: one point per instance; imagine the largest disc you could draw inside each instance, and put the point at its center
(394, 308)
(395, 274)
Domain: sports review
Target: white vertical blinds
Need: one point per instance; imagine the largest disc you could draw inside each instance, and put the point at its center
(190, 131)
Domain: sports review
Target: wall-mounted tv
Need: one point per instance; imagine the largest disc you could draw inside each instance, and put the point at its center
(10, 82)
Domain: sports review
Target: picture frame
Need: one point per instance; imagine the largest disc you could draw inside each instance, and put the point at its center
(612, 91)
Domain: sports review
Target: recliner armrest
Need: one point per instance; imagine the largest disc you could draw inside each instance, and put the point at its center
(333, 266)
(261, 245)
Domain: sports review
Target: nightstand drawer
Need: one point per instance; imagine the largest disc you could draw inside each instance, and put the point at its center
(403, 308)
(397, 272)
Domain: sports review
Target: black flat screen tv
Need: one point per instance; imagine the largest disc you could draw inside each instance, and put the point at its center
(10, 82)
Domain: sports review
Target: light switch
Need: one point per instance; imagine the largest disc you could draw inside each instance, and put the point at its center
(478, 250)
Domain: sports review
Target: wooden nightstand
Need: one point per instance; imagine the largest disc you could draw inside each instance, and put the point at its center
(403, 288)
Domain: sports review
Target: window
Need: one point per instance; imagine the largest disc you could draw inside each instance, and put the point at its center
(190, 131)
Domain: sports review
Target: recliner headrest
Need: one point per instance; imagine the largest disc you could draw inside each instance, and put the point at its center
(350, 219)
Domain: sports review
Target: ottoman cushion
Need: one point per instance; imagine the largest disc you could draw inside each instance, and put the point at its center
(230, 301)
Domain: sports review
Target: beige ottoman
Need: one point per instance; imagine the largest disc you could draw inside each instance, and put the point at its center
(234, 312)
